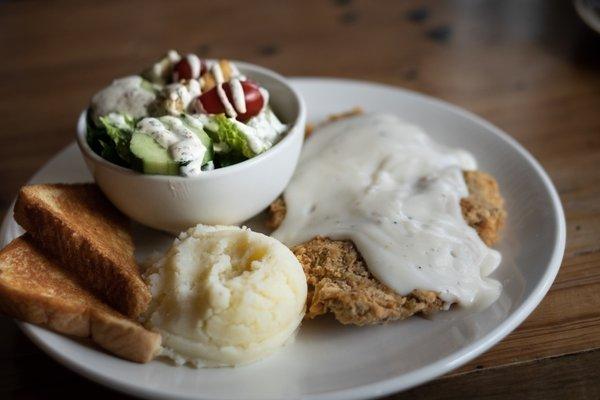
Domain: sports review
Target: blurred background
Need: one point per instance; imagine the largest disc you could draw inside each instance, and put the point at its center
(529, 66)
(492, 57)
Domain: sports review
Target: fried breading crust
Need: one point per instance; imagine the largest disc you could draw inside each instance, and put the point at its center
(276, 213)
(339, 280)
(332, 118)
(484, 208)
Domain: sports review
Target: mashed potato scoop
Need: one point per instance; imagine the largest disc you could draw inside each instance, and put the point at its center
(225, 296)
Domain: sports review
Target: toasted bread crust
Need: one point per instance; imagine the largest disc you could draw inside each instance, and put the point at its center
(71, 319)
(123, 337)
(35, 289)
(340, 282)
(78, 226)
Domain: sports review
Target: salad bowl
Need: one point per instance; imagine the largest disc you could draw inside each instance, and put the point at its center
(223, 196)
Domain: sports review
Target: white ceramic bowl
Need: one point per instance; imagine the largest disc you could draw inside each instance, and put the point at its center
(227, 195)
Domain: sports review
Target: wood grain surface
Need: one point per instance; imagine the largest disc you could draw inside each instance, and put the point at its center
(530, 67)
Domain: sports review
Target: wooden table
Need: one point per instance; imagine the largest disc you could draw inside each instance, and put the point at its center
(530, 67)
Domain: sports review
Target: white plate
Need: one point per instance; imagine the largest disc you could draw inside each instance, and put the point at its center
(331, 361)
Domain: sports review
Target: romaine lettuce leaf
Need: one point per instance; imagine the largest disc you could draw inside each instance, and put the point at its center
(227, 159)
(93, 133)
(108, 152)
(119, 129)
(110, 137)
(231, 135)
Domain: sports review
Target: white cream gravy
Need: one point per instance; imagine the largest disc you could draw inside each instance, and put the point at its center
(393, 191)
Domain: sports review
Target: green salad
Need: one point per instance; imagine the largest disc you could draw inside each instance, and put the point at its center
(182, 116)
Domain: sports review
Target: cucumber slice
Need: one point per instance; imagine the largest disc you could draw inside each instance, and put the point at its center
(150, 157)
(204, 138)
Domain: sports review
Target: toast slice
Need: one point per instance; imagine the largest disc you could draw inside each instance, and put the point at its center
(34, 288)
(87, 235)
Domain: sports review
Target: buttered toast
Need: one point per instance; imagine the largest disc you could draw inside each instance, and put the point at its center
(34, 288)
(87, 235)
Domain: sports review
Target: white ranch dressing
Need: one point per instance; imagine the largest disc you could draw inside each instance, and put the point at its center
(157, 131)
(192, 169)
(394, 192)
(261, 131)
(217, 72)
(237, 93)
(181, 96)
(183, 144)
(201, 121)
(253, 136)
(161, 67)
(219, 80)
(265, 95)
(119, 121)
(173, 56)
(235, 72)
(123, 96)
(229, 110)
(195, 65)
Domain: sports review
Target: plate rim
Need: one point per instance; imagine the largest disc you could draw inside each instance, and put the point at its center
(390, 385)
